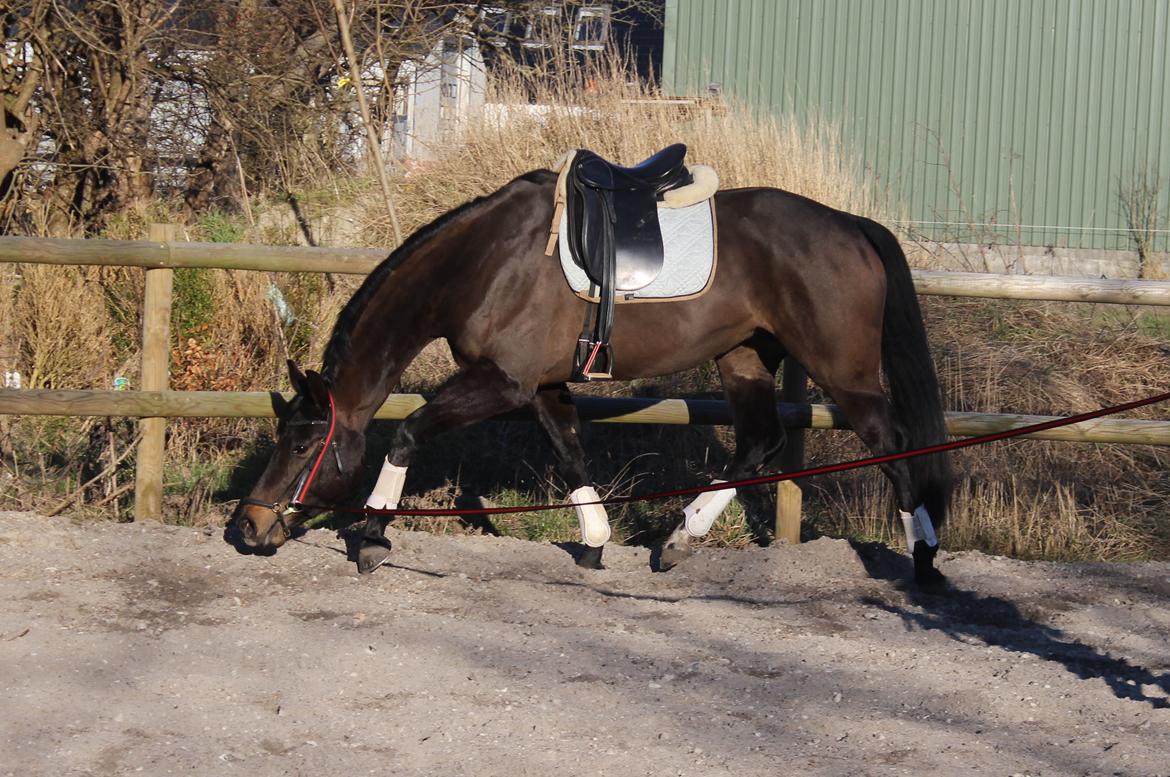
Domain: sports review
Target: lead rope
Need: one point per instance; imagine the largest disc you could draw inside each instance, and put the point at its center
(776, 478)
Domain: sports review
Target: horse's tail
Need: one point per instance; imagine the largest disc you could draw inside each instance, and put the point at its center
(913, 384)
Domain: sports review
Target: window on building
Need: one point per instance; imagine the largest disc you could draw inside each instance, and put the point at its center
(592, 27)
(544, 28)
(495, 25)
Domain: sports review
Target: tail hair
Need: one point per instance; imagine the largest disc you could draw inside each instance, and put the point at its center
(910, 374)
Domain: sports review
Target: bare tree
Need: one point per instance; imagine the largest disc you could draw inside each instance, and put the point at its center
(20, 73)
(88, 75)
(119, 101)
(1140, 197)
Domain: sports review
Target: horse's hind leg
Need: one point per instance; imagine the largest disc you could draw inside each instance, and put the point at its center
(478, 392)
(748, 373)
(557, 415)
(870, 415)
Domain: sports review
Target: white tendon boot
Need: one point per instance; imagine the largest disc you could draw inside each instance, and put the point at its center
(388, 488)
(701, 513)
(918, 527)
(594, 522)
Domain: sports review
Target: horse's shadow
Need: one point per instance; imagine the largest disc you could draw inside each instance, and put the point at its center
(1000, 623)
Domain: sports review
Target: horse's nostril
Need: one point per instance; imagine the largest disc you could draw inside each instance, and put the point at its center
(248, 528)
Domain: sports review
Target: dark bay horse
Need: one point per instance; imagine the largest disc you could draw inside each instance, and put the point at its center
(794, 277)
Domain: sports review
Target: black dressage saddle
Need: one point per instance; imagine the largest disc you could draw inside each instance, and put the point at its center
(613, 235)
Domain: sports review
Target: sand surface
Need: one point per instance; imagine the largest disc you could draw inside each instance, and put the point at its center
(152, 649)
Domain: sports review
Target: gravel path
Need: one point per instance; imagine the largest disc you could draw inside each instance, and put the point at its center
(151, 649)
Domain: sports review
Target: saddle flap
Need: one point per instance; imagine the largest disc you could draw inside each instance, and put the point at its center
(688, 269)
(614, 236)
(590, 233)
(637, 240)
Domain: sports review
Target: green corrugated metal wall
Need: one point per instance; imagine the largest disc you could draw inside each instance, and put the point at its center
(976, 113)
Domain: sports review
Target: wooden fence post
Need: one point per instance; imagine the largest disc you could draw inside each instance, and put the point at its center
(789, 496)
(156, 356)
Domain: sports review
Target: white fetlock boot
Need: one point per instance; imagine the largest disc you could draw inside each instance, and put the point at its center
(594, 522)
(375, 548)
(922, 545)
(700, 515)
(388, 489)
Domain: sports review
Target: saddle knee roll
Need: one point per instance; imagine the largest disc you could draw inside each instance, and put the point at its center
(700, 514)
(594, 523)
(918, 526)
(388, 488)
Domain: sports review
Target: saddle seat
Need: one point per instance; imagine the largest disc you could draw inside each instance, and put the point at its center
(664, 170)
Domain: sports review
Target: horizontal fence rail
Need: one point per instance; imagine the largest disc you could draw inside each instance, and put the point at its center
(223, 256)
(696, 412)
(237, 256)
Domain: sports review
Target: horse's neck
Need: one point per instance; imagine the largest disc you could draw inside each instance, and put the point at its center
(421, 298)
(375, 367)
(397, 322)
(368, 390)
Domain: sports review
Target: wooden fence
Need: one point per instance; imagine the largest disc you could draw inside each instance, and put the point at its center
(154, 403)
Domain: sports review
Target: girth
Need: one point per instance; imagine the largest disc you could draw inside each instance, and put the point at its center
(614, 237)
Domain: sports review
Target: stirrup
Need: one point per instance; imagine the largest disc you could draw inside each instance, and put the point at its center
(594, 361)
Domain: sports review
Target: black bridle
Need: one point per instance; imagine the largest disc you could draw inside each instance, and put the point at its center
(307, 475)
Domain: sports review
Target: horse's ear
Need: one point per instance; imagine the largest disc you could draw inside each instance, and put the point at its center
(299, 382)
(309, 385)
(281, 407)
(318, 390)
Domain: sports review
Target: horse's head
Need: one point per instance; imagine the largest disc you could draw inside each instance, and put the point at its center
(316, 463)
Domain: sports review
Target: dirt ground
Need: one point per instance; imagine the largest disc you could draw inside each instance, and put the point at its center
(151, 649)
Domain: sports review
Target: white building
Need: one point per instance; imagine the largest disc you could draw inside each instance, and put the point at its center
(435, 98)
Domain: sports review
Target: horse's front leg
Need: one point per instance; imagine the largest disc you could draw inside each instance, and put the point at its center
(478, 392)
(558, 417)
(748, 375)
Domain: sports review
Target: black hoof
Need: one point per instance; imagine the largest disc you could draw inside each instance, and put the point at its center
(372, 555)
(931, 581)
(590, 558)
(925, 575)
(672, 554)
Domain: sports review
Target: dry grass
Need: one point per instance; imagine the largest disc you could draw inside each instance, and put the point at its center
(62, 326)
(1030, 498)
(1008, 518)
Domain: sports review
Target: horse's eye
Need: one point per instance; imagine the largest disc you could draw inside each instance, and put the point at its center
(299, 450)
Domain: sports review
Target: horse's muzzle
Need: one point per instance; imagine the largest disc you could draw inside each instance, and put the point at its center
(257, 529)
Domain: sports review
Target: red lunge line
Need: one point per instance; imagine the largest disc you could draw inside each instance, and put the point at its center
(780, 476)
(304, 489)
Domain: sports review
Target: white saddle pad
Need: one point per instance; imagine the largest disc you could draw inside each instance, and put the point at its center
(688, 242)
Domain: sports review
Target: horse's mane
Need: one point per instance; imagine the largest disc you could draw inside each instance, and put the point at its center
(339, 341)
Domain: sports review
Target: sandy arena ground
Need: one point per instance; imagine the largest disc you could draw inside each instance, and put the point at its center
(156, 650)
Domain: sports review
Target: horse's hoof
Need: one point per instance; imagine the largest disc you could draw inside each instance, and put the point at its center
(590, 558)
(926, 576)
(673, 554)
(930, 580)
(371, 556)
